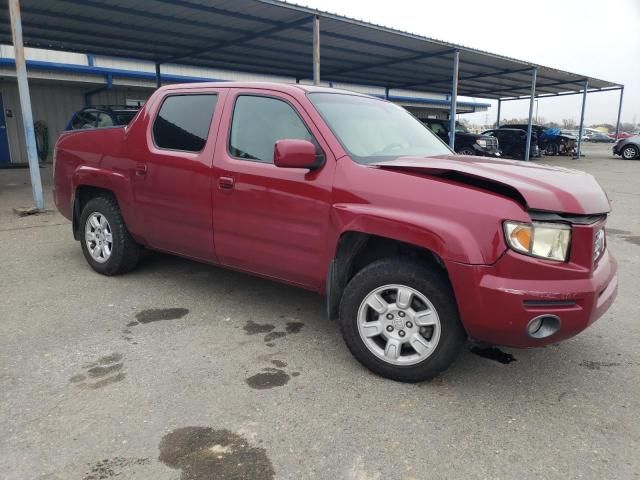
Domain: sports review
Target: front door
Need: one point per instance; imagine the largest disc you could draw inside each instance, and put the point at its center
(173, 174)
(5, 156)
(270, 220)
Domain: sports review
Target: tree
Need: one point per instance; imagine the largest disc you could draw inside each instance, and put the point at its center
(569, 124)
(627, 127)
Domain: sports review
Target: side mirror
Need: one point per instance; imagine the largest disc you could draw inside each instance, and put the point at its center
(290, 153)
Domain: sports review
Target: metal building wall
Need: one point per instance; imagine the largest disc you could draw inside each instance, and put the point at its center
(54, 103)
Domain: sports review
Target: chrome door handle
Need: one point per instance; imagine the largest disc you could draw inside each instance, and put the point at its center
(141, 169)
(226, 183)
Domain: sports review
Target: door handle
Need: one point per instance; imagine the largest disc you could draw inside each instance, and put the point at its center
(141, 169)
(226, 183)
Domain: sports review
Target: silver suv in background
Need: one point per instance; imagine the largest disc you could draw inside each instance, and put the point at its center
(628, 148)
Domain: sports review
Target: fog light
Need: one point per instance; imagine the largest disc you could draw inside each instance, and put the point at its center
(543, 326)
(534, 325)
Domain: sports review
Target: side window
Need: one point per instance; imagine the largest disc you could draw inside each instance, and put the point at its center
(183, 122)
(104, 120)
(258, 123)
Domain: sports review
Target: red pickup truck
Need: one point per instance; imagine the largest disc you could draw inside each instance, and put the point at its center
(416, 248)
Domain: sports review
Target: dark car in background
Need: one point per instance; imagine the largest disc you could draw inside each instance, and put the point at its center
(102, 116)
(466, 143)
(550, 140)
(513, 140)
(600, 138)
(628, 148)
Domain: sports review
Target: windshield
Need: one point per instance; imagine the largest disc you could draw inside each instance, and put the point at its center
(373, 130)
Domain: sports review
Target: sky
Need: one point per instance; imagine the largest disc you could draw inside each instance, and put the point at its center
(600, 39)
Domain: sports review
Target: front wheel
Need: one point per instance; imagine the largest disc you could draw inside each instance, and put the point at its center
(467, 151)
(106, 242)
(630, 152)
(400, 320)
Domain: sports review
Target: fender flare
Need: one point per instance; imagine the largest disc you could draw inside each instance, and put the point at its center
(116, 182)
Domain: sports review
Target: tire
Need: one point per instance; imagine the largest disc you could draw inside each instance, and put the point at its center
(445, 336)
(552, 149)
(467, 151)
(100, 221)
(629, 152)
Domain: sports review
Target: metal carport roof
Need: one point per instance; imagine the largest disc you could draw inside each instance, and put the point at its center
(277, 38)
(272, 37)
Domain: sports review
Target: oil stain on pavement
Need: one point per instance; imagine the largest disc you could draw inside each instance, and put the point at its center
(153, 315)
(113, 467)
(158, 314)
(253, 328)
(104, 371)
(591, 365)
(634, 239)
(626, 235)
(271, 377)
(615, 231)
(493, 353)
(203, 453)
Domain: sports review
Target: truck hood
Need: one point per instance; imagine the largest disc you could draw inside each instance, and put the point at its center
(539, 187)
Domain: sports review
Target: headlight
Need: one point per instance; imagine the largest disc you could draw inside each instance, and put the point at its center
(482, 142)
(538, 239)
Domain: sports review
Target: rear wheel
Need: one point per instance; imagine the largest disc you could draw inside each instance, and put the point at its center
(629, 152)
(400, 320)
(106, 243)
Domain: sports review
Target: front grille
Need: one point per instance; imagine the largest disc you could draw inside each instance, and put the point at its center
(492, 142)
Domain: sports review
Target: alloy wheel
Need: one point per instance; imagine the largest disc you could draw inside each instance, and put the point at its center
(398, 324)
(629, 153)
(98, 237)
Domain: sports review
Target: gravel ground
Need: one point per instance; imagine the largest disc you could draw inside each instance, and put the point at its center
(182, 370)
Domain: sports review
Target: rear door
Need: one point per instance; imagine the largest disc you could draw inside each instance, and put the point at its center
(269, 220)
(173, 173)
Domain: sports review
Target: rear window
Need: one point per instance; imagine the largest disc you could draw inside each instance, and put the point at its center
(123, 118)
(104, 120)
(84, 119)
(183, 122)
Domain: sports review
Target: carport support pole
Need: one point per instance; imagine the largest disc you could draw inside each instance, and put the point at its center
(619, 112)
(498, 117)
(158, 76)
(25, 104)
(581, 129)
(316, 50)
(454, 99)
(527, 147)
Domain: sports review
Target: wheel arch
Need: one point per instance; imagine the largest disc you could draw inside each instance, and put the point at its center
(356, 249)
(83, 194)
(90, 182)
